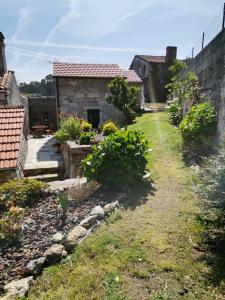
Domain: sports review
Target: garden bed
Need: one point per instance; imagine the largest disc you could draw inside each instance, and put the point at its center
(40, 223)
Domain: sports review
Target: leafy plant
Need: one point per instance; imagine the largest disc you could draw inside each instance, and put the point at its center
(63, 201)
(70, 129)
(210, 184)
(124, 97)
(109, 127)
(199, 124)
(120, 159)
(175, 111)
(86, 126)
(85, 137)
(20, 192)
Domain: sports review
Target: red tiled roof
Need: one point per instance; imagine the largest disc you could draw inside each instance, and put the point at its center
(92, 70)
(5, 80)
(131, 76)
(11, 124)
(151, 58)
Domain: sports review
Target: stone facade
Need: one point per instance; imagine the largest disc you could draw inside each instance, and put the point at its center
(43, 110)
(153, 70)
(209, 65)
(73, 154)
(78, 95)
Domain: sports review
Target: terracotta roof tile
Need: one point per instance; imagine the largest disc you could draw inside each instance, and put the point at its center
(92, 70)
(11, 125)
(131, 76)
(5, 80)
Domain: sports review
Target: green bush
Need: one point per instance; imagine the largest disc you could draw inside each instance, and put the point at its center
(109, 127)
(211, 182)
(70, 129)
(175, 113)
(199, 124)
(120, 159)
(86, 126)
(20, 192)
(85, 138)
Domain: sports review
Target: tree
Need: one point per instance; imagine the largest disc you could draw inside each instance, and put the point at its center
(45, 88)
(124, 97)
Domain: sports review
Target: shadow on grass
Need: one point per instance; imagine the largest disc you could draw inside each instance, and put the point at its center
(213, 243)
(139, 194)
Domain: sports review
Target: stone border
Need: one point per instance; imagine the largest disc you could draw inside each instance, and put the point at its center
(60, 249)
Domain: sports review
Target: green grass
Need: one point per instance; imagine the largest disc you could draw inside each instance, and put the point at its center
(144, 250)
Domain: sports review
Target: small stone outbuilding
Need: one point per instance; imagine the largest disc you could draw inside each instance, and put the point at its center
(153, 70)
(81, 89)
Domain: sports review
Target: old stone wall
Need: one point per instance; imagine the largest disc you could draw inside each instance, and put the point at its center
(13, 96)
(209, 65)
(23, 147)
(77, 95)
(43, 110)
(73, 154)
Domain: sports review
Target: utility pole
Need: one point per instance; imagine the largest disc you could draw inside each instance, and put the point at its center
(203, 40)
(223, 17)
(192, 52)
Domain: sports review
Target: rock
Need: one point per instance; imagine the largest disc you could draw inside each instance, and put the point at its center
(18, 288)
(108, 208)
(57, 237)
(74, 237)
(121, 196)
(88, 222)
(55, 253)
(98, 211)
(34, 267)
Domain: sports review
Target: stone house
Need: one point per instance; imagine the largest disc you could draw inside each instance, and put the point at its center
(153, 70)
(13, 142)
(81, 89)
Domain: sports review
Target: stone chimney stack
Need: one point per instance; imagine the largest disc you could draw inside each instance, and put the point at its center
(3, 68)
(171, 54)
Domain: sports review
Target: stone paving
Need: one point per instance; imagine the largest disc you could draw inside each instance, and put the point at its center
(41, 155)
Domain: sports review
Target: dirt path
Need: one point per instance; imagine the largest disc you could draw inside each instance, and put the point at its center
(148, 250)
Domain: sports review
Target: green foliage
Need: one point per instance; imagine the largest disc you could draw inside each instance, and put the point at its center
(184, 87)
(63, 201)
(120, 159)
(20, 192)
(211, 182)
(86, 137)
(46, 87)
(109, 127)
(123, 96)
(70, 129)
(86, 126)
(199, 123)
(175, 111)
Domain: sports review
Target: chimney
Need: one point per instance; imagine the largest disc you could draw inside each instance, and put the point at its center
(3, 68)
(171, 54)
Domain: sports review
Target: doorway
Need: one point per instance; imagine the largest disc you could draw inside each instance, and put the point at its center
(93, 116)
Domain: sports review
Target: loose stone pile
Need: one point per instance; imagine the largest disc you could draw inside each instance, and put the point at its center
(59, 250)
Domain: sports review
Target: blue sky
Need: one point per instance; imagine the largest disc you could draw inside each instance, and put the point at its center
(39, 32)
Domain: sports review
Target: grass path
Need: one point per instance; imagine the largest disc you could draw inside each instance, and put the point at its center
(147, 250)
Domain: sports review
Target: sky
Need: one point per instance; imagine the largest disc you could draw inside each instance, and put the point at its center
(39, 32)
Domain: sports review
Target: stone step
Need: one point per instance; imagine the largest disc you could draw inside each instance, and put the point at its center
(47, 177)
(33, 170)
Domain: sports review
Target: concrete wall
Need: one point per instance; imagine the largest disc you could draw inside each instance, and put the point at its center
(73, 154)
(77, 95)
(209, 65)
(43, 110)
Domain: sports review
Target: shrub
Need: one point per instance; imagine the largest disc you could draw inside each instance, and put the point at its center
(85, 138)
(175, 111)
(20, 192)
(70, 129)
(120, 159)
(109, 127)
(211, 182)
(199, 124)
(86, 126)
(10, 222)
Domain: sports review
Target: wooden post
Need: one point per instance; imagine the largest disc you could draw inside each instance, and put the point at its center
(203, 40)
(223, 17)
